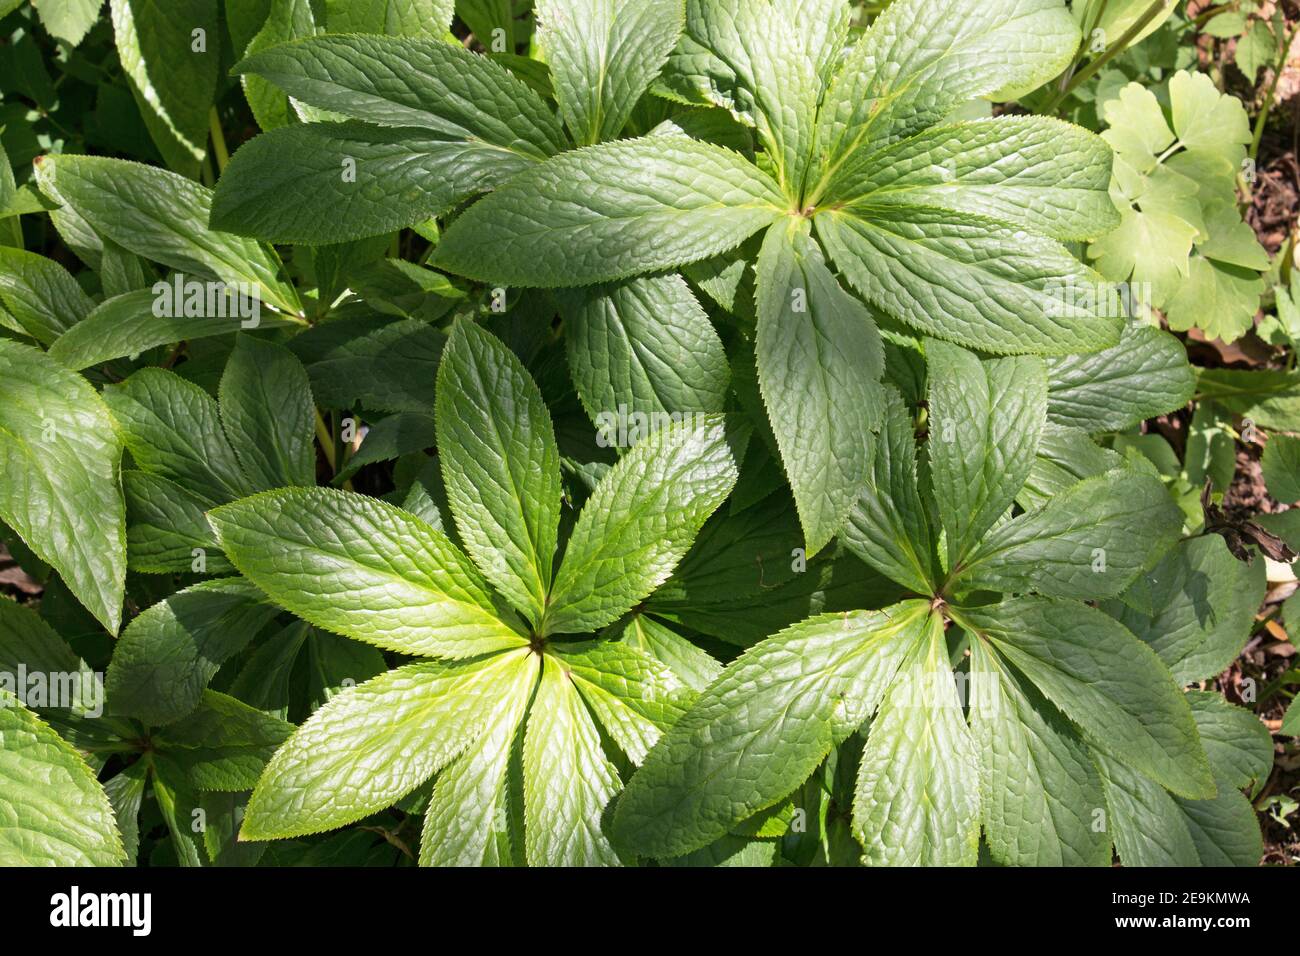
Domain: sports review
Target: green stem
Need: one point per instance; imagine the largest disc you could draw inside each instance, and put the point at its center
(326, 440)
(218, 140)
(1205, 16)
(1119, 46)
(341, 448)
(1083, 42)
(1177, 144)
(1262, 119)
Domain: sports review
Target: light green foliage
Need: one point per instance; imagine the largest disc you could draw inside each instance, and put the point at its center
(1053, 686)
(1180, 232)
(642, 432)
(59, 486)
(377, 573)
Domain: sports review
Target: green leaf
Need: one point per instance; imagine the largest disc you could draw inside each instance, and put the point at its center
(693, 666)
(415, 82)
(224, 745)
(1118, 16)
(1090, 541)
(1236, 741)
(59, 484)
(490, 21)
(374, 362)
(1106, 681)
(169, 52)
(819, 361)
(1269, 397)
(167, 656)
(1181, 233)
(59, 685)
(603, 54)
(568, 780)
(1144, 819)
(392, 17)
(1140, 134)
(268, 414)
(824, 25)
(120, 271)
(609, 212)
(1281, 465)
(1201, 604)
(1225, 829)
(173, 430)
(759, 730)
(633, 696)
(177, 801)
(54, 812)
(639, 522)
(1255, 50)
(917, 800)
(1218, 298)
(751, 58)
(1206, 119)
(747, 577)
(282, 21)
(1145, 375)
(887, 525)
(1211, 451)
(986, 419)
(264, 681)
(127, 325)
(427, 498)
(40, 294)
(468, 820)
(166, 525)
(68, 20)
(1066, 456)
(223, 813)
(372, 745)
(316, 183)
(27, 640)
(1149, 246)
(730, 851)
(334, 663)
(1153, 828)
(1032, 171)
(364, 569)
(126, 794)
(1291, 721)
(1038, 786)
(643, 345)
(500, 465)
(1231, 240)
(164, 217)
(920, 61)
(396, 287)
(965, 278)
(402, 434)
(10, 203)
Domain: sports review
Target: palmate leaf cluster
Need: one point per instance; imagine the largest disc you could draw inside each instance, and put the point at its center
(732, 486)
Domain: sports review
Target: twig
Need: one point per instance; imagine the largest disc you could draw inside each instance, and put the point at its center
(1118, 47)
(218, 140)
(1262, 119)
